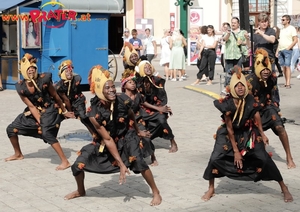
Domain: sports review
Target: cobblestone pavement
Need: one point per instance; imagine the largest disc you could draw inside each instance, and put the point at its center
(33, 184)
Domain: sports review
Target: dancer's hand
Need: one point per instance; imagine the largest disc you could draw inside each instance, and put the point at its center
(265, 139)
(165, 109)
(144, 133)
(123, 171)
(238, 160)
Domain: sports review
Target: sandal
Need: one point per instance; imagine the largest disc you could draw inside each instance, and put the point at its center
(288, 86)
(282, 86)
(1, 89)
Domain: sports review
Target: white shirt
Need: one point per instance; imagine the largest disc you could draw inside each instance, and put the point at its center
(149, 48)
(209, 40)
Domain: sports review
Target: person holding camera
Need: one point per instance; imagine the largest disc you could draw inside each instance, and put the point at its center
(237, 42)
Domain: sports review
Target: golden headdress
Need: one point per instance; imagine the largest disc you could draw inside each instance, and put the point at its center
(236, 78)
(141, 71)
(129, 50)
(66, 64)
(97, 78)
(26, 62)
(262, 62)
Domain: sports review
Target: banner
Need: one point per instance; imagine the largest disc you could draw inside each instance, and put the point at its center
(195, 20)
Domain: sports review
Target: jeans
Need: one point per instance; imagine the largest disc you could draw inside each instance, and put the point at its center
(229, 64)
(285, 57)
(295, 56)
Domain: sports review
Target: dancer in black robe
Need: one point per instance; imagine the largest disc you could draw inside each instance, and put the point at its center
(117, 147)
(239, 152)
(264, 88)
(68, 88)
(40, 118)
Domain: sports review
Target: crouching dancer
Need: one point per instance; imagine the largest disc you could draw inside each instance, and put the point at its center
(40, 118)
(68, 88)
(114, 149)
(239, 152)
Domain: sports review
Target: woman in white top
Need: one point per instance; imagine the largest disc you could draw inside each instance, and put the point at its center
(208, 56)
(165, 52)
(150, 46)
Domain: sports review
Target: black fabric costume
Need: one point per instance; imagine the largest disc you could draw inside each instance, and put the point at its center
(127, 142)
(25, 124)
(145, 143)
(156, 122)
(268, 99)
(257, 164)
(76, 98)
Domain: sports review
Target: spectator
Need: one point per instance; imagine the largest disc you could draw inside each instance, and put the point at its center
(177, 60)
(236, 43)
(264, 37)
(208, 59)
(277, 32)
(225, 27)
(136, 42)
(295, 54)
(288, 38)
(126, 37)
(165, 52)
(150, 46)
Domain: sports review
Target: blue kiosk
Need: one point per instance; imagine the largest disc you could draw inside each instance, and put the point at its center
(57, 30)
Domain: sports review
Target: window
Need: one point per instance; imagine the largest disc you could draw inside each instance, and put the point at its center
(257, 6)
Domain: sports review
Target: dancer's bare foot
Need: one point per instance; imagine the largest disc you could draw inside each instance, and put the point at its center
(63, 166)
(290, 164)
(209, 194)
(287, 195)
(15, 157)
(153, 160)
(156, 199)
(173, 149)
(74, 194)
(154, 163)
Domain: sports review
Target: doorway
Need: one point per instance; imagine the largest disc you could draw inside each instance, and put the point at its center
(115, 33)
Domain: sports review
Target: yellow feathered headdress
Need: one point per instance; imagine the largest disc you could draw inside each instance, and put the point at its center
(29, 61)
(236, 78)
(262, 62)
(129, 50)
(97, 78)
(66, 64)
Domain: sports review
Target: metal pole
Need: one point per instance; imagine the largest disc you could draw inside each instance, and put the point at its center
(183, 4)
(244, 14)
(275, 12)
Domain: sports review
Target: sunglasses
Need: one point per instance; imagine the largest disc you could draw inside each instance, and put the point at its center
(283, 19)
(126, 31)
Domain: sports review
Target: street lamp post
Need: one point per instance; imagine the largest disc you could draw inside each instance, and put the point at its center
(183, 13)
